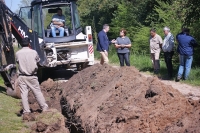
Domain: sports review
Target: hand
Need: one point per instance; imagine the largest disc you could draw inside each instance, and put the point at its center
(122, 46)
(113, 41)
(106, 53)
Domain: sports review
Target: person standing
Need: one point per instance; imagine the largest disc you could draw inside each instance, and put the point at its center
(186, 44)
(123, 44)
(27, 60)
(103, 44)
(155, 47)
(168, 49)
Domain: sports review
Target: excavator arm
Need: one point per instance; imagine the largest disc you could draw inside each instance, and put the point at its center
(6, 50)
(11, 24)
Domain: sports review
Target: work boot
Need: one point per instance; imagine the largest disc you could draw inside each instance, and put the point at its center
(156, 71)
(45, 109)
(28, 117)
(178, 79)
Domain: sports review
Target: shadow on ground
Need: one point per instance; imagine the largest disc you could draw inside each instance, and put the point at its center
(162, 74)
(55, 74)
(2, 90)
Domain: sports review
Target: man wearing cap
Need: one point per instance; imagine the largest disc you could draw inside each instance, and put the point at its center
(168, 49)
(27, 60)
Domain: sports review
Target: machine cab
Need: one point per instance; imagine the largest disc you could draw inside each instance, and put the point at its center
(55, 21)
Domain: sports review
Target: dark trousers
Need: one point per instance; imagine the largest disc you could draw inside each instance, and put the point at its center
(168, 60)
(124, 57)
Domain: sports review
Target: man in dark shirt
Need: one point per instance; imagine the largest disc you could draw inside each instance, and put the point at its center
(185, 49)
(103, 44)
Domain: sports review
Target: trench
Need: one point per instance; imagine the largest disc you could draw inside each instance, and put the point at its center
(73, 123)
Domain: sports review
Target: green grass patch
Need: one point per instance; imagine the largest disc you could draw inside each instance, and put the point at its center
(16, 48)
(9, 121)
(49, 117)
(194, 77)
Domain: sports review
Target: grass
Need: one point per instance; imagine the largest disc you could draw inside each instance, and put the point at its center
(9, 121)
(49, 117)
(143, 63)
(194, 78)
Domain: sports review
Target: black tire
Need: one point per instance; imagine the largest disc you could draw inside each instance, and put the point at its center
(81, 66)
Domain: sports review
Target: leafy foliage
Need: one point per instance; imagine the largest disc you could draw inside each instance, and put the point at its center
(193, 11)
(25, 3)
(123, 17)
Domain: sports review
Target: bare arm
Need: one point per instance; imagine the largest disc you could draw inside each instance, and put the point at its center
(117, 46)
(128, 46)
(58, 23)
(122, 46)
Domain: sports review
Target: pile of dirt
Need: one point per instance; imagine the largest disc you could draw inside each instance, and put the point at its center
(102, 99)
(52, 93)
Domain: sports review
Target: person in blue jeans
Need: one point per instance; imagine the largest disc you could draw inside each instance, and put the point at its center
(58, 22)
(123, 44)
(186, 44)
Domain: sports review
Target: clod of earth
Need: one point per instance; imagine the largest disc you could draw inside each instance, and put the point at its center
(102, 99)
(48, 122)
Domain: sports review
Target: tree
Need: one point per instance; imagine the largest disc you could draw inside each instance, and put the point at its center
(96, 10)
(25, 3)
(170, 14)
(193, 11)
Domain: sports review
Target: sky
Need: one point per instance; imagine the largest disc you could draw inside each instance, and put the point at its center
(12, 4)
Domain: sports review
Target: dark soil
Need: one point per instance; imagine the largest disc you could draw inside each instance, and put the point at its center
(102, 99)
(52, 93)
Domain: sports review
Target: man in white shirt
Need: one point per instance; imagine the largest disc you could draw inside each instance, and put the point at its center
(168, 49)
(58, 22)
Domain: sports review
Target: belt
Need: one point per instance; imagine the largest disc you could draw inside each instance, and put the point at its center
(27, 75)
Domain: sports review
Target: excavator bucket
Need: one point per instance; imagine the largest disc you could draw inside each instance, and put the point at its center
(10, 78)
